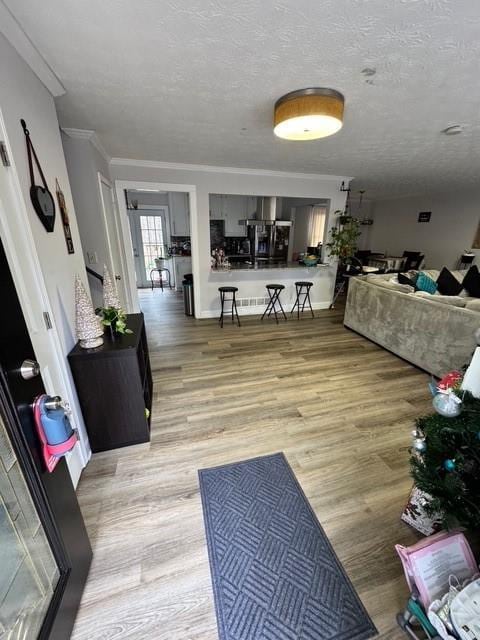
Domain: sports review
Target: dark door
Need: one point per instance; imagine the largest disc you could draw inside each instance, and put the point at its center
(52, 494)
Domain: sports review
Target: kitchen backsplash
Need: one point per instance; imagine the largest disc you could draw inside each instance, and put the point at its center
(180, 246)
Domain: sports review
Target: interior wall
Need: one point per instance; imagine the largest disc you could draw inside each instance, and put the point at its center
(149, 198)
(24, 96)
(454, 221)
(223, 181)
(83, 163)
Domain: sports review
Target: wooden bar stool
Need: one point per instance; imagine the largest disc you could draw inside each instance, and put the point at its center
(223, 299)
(303, 289)
(274, 291)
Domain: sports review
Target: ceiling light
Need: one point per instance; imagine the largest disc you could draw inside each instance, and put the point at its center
(308, 114)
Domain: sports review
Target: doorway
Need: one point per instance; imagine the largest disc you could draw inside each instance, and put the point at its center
(160, 233)
(181, 228)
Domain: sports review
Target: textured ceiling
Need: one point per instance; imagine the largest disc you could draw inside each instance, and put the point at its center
(195, 81)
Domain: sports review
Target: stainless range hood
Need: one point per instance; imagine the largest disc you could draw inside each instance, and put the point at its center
(266, 213)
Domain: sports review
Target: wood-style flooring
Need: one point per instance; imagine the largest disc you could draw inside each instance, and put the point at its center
(339, 407)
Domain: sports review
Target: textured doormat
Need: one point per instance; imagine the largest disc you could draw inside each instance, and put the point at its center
(275, 575)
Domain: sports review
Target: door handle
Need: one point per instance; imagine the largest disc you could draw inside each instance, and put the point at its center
(29, 369)
(118, 277)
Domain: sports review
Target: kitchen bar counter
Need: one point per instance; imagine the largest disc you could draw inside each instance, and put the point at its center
(266, 266)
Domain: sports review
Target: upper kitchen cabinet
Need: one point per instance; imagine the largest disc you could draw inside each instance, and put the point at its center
(231, 209)
(179, 214)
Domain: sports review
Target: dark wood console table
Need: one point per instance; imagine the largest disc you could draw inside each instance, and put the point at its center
(114, 386)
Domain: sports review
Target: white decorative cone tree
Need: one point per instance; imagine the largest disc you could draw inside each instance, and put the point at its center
(110, 295)
(89, 327)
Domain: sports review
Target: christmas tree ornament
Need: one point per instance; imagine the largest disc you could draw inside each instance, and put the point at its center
(110, 295)
(447, 403)
(420, 445)
(88, 325)
(449, 465)
(450, 380)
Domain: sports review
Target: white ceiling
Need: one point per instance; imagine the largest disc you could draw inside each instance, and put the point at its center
(195, 81)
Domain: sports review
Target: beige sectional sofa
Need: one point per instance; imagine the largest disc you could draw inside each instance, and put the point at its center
(433, 332)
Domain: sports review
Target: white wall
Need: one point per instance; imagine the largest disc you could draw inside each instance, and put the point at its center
(24, 96)
(453, 225)
(208, 181)
(83, 164)
(149, 198)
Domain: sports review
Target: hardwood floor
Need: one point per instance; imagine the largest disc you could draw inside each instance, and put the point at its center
(338, 406)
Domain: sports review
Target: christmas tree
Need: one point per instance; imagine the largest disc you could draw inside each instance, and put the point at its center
(446, 465)
(88, 325)
(110, 295)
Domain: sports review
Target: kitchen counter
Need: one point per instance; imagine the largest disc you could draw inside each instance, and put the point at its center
(266, 266)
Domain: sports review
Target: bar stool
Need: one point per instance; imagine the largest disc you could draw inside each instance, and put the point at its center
(303, 289)
(159, 268)
(223, 299)
(274, 291)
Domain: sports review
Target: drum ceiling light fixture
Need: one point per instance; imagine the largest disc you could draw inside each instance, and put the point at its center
(308, 114)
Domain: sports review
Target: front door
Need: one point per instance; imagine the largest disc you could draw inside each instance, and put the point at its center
(44, 547)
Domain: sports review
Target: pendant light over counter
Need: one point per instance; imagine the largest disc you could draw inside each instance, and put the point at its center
(308, 114)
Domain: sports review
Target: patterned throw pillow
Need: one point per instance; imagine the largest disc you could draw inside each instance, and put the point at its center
(407, 278)
(425, 283)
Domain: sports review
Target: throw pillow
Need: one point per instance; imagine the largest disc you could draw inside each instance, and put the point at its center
(425, 283)
(447, 284)
(471, 282)
(406, 278)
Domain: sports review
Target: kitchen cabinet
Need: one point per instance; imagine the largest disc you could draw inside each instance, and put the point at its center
(114, 385)
(183, 265)
(179, 213)
(231, 209)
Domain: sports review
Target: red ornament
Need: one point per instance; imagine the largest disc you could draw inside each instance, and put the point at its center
(450, 380)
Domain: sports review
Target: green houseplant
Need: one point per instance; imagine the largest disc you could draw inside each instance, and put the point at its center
(115, 319)
(343, 237)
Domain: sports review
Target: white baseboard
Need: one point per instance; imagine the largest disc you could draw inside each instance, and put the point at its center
(254, 311)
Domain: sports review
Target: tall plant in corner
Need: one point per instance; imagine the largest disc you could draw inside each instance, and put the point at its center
(343, 237)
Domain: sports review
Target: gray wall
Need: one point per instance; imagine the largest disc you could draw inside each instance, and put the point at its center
(452, 228)
(83, 164)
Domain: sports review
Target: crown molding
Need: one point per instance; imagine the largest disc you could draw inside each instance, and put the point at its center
(13, 32)
(88, 134)
(153, 164)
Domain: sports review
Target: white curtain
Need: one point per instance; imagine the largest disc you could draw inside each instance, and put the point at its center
(316, 226)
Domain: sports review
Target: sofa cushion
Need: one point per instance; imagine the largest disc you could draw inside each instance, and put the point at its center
(389, 284)
(473, 305)
(447, 284)
(471, 282)
(455, 301)
(425, 283)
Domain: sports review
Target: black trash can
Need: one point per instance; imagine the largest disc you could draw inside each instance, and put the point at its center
(188, 301)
